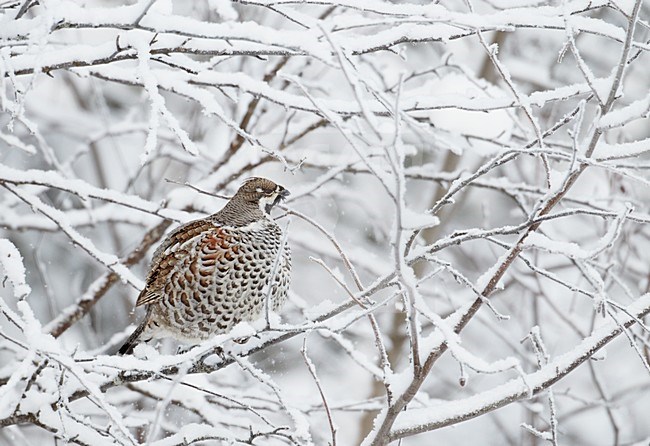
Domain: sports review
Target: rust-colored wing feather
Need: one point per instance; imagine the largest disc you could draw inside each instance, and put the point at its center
(178, 245)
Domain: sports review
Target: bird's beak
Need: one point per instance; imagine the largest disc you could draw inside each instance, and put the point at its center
(282, 195)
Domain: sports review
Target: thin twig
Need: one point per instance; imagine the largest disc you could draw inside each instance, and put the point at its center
(312, 371)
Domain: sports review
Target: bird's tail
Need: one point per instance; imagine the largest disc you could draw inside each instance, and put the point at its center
(133, 340)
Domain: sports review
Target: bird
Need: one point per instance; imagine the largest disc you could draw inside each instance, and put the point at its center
(210, 274)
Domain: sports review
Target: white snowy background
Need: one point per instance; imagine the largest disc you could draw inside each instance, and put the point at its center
(468, 218)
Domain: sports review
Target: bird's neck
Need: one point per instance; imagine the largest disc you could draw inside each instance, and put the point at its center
(239, 212)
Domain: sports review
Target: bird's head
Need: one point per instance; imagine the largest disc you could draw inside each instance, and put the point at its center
(262, 193)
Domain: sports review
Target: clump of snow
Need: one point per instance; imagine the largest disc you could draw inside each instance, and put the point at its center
(12, 263)
(416, 220)
(616, 118)
(569, 249)
(484, 279)
(573, 250)
(323, 307)
(606, 151)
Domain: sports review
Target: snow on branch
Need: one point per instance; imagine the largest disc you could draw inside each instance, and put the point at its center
(429, 418)
(108, 260)
(14, 269)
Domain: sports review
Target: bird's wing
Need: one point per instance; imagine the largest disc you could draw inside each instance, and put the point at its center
(182, 249)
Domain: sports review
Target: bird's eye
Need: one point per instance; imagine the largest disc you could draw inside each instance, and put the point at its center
(266, 192)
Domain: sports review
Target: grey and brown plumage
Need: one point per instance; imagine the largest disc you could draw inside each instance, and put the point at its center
(210, 274)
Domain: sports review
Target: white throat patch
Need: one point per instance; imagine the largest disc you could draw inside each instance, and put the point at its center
(265, 202)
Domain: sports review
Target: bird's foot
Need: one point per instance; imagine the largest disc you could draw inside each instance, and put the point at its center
(183, 349)
(219, 352)
(244, 339)
(215, 351)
